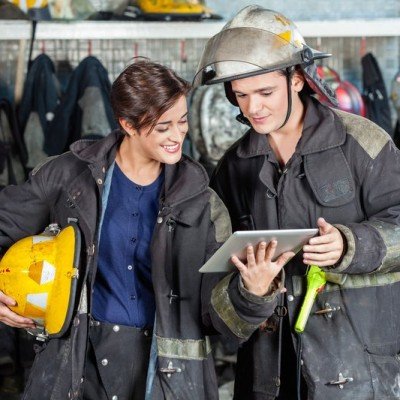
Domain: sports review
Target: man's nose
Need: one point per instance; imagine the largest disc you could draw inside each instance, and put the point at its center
(254, 105)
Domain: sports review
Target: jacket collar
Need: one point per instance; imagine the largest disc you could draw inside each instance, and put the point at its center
(322, 130)
(95, 151)
(183, 180)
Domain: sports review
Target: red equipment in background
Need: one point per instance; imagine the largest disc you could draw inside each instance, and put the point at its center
(348, 96)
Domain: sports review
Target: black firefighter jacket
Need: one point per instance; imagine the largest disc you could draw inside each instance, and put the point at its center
(347, 170)
(191, 225)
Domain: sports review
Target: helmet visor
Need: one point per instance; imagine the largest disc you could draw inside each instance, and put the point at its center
(240, 52)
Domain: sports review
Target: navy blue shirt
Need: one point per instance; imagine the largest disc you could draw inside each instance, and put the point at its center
(123, 289)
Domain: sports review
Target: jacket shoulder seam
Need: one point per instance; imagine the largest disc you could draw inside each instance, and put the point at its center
(219, 217)
(367, 134)
(45, 162)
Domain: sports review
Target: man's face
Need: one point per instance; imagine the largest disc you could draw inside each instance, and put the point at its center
(263, 100)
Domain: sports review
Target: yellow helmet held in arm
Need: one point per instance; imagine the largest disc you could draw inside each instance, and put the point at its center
(41, 274)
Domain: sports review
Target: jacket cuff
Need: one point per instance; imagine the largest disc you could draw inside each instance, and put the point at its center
(224, 308)
(350, 252)
(274, 289)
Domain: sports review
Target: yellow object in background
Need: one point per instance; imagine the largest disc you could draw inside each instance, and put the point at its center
(37, 10)
(170, 9)
(25, 5)
(40, 273)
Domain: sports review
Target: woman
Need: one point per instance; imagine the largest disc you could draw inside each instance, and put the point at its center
(149, 222)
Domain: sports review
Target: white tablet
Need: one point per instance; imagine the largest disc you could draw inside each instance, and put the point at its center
(288, 240)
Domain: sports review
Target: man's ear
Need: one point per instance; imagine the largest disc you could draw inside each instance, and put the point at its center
(127, 127)
(297, 81)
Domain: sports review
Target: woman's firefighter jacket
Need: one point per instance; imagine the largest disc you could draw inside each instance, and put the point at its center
(192, 223)
(346, 170)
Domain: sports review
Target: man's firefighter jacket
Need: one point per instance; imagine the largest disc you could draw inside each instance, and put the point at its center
(347, 170)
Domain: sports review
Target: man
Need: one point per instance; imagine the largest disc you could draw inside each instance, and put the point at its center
(302, 165)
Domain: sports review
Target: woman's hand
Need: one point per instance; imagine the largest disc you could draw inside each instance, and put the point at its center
(324, 250)
(260, 271)
(9, 317)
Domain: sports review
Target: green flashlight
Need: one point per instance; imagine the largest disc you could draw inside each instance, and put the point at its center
(315, 283)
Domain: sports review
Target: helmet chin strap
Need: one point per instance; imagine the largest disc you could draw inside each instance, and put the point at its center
(289, 74)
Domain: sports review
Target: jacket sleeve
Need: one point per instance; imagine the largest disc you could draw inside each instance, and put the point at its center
(374, 244)
(24, 210)
(227, 306)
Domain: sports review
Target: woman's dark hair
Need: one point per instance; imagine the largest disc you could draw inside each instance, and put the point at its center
(144, 91)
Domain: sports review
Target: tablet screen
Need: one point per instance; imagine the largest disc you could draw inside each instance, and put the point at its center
(288, 240)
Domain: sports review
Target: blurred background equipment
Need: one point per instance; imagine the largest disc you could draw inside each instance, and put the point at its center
(375, 94)
(86, 9)
(347, 95)
(40, 98)
(213, 125)
(168, 10)
(84, 110)
(13, 154)
(11, 11)
(35, 9)
(395, 97)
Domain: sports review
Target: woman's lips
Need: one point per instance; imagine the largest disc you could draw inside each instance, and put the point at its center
(172, 149)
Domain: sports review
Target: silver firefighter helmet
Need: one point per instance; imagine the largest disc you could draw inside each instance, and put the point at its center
(256, 41)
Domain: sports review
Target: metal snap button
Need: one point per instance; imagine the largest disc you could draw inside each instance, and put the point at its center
(159, 220)
(104, 362)
(270, 195)
(116, 328)
(290, 297)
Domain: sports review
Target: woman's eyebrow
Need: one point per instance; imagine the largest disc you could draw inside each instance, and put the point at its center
(168, 122)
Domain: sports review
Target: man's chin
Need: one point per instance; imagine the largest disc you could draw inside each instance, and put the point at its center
(261, 130)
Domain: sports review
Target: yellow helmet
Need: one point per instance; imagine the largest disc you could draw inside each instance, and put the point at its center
(40, 273)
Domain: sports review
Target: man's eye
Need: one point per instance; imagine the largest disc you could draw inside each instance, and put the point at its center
(160, 130)
(266, 93)
(184, 121)
(240, 95)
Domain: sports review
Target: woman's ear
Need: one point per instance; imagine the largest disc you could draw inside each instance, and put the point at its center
(127, 127)
(297, 81)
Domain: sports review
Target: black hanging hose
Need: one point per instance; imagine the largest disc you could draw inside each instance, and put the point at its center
(33, 34)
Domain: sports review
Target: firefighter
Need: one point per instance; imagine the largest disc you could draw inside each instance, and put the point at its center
(140, 323)
(303, 164)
